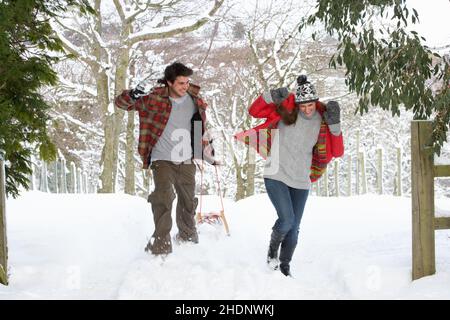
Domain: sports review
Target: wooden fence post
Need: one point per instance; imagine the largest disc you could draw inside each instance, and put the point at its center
(349, 177)
(3, 242)
(422, 195)
(399, 172)
(56, 176)
(336, 177)
(73, 178)
(79, 181)
(362, 162)
(63, 176)
(85, 181)
(325, 184)
(380, 170)
(43, 186)
(318, 188)
(31, 183)
(357, 191)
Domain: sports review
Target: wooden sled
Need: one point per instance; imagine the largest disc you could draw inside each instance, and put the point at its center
(212, 217)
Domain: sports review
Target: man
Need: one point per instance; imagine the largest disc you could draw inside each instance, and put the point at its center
(172, 123)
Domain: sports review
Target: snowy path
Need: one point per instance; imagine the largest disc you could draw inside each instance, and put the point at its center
(91, 247)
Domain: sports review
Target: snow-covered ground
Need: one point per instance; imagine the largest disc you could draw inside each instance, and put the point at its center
(91, 247)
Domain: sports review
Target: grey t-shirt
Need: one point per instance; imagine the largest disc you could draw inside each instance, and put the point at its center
(174, 144)
(291, 152)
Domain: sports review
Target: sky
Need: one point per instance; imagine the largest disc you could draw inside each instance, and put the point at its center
(434, 16)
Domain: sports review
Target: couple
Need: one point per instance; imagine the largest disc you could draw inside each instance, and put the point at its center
(308, 137)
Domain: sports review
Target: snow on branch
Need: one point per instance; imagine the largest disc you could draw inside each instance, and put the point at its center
(78, 88)
(79, 32)
(155, 6)
(78, 123)
(169, 31)
(71, 48)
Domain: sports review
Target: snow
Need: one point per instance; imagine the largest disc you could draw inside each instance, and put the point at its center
(441, 212)
(90, 246)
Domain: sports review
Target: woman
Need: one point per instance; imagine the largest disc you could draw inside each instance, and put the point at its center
(308, 137)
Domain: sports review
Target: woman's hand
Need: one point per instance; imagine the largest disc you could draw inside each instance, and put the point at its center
(333, 113)
(332, 117)
(276, 96)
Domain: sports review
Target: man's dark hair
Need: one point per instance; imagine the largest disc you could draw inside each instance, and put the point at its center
(175, 70)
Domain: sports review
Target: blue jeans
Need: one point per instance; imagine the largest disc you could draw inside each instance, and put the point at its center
(289, 204)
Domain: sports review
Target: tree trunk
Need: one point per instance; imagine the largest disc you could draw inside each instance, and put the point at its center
(120, 85)
(109, 152)
(130, 187)
(3, 241)
(240, 188)
(107, 177)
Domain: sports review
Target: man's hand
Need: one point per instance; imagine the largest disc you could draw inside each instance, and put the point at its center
(333, 113)
(137, 92)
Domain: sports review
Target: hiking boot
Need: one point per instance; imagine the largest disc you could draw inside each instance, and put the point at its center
(179, 240)
(163, 249)
(272, 258)
(285, 269)
(272, 254)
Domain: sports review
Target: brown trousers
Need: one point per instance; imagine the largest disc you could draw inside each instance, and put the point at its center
(167, 175)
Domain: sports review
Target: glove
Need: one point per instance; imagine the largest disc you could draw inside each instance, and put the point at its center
(137, 92)
(333, 113)
(332, 117)
(276, 95)
(279, 95)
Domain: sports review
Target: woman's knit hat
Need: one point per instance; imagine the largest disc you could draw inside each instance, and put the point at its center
(305, 91)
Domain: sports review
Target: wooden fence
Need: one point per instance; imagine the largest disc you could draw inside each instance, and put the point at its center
(57, 177)
(357, 177)
(424, 222)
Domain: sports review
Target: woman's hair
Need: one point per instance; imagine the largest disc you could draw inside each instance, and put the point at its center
(175, 70)
(291, 117)
(288, 117)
